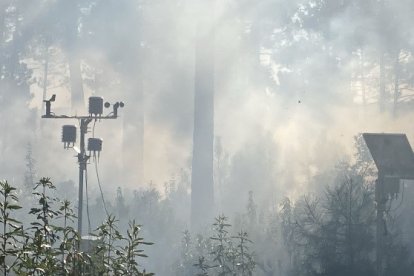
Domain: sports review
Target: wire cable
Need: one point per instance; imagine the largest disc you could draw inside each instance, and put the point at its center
(100, 187)
(93, 129)
(87, 200)
(97, 174)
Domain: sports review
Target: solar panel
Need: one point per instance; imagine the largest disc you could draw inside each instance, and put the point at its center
(392, 154)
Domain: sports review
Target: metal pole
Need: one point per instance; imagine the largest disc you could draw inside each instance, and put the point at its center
(381, 200)
(80, 204)
(82, 159)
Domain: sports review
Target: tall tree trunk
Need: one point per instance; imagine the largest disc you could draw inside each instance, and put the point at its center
(202, 186)
(45, 83)
(382, 83)
(76, 83)
(133, 133)
(363, 81)
(133, 123)
(2, 23)
(396, 83)
(2, 82)
(382, 59)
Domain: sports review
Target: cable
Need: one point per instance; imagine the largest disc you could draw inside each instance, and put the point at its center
(93, 129)
(97, 173)
(100, 187)
(87, 200)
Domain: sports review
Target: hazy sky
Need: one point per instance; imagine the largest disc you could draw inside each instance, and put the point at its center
(304, 115)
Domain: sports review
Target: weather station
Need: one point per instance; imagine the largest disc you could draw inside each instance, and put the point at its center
(94, 146)
(394, 159)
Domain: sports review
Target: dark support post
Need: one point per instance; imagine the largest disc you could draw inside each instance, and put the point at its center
(47, 108)
(82, 159)
(381, 200)
(80, 207)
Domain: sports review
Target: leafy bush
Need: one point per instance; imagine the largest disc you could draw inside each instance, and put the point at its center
(51, 246)
(220, 254)
(11, 227)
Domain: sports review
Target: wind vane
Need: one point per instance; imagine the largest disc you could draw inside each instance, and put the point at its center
(69, 133)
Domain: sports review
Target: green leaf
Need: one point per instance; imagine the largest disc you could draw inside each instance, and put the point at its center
(14, 221)
(14, 207)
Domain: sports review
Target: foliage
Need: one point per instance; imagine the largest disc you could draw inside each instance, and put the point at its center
(202, 266)
(51, 246)
(336, 231)
(333, 234)
(131, 251)
(11, 228)
(39, 255)
(245, 263)
(185, 266)
(107, 234)
(69, 242)
(222, 248)
(220, 254)
(306, 41)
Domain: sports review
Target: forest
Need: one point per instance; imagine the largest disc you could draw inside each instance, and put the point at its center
(206, 137)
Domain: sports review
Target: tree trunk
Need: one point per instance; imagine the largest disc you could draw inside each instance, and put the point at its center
(363, 82)
(76, 83)
(396, 83)
(202, 186)
(45, 84)
(133, 133)
(382, 60)
(382, 83)
(133, 124)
